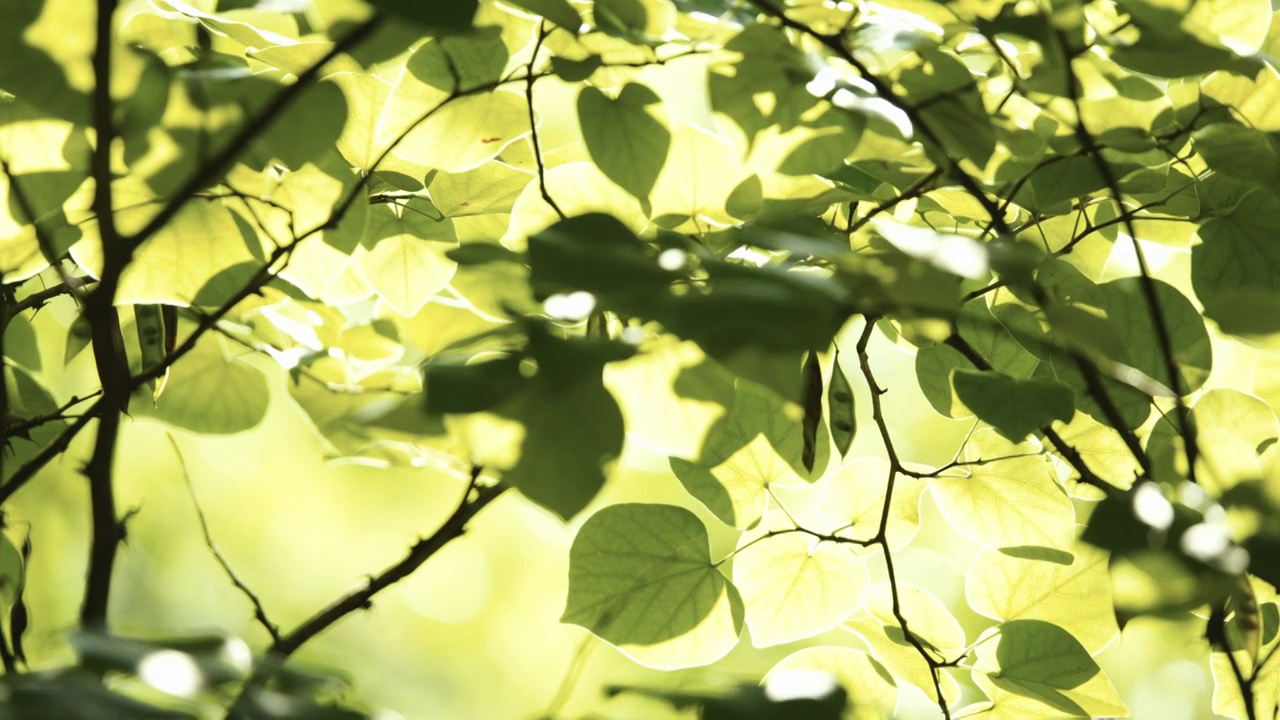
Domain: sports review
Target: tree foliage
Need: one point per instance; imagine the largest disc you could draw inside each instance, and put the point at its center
(706, 248)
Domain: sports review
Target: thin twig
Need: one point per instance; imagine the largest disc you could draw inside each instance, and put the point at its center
(1159, 323)
(56, 447)
(533, 126)
(259, 612)
(881, 537)
(212, 170)
(28, 424)
(474, 499)
(37, 300)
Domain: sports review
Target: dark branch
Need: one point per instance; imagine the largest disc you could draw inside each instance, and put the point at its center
(1216, 633)
(533, 125)
(37, 300)
(59, 445)
(108, 345)
(212, 170)
(1163, 338)
(881, 538)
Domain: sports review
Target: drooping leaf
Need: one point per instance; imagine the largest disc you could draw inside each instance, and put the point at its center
(840, 408)
(812, 406)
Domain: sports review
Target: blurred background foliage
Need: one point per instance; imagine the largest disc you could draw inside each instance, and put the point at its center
(295, 438)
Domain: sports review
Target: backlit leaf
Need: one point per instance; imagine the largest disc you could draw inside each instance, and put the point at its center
(641, 577)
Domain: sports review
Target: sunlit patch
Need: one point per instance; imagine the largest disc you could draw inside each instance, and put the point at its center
(1151, 506)
(1194, 496)
(572, 307)
(800, 685)
(236, 653)
(172, 672)
(632, 335)
(877, 106)
(1233, 560)
(1205, 541)
(673, 259)
(824, 82)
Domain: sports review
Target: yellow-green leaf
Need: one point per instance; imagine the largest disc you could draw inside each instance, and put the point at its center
(795, 587)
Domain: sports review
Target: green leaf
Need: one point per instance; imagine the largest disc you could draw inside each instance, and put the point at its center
(20, 343)
(452, 387)
(173, 266)
(571, 427)
(1044, 663)
(1075, 596)
(79, 335)
(929, 619)
(795, 587)
(1059, 179)
(641, 577)
(455, 137)
(757, 443)
(953, 107)
(627, 136)
(621, 16)
(576, 70)
(491, 188)
(210, 392)
(572, 434)
(1016, 408)
(559, 12)
(1231, 265)
(404, 255)
(1006, 502)
(769, 66)
(453, 15)
(932, 624)
(1240, 152)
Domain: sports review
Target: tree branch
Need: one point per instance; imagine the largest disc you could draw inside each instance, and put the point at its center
(212, 170)
(56, 447)
(474, 499)
(259, 611)
(881, 538)
(108, 345)
(533, 126)
(1089, 142)
(37, 300)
